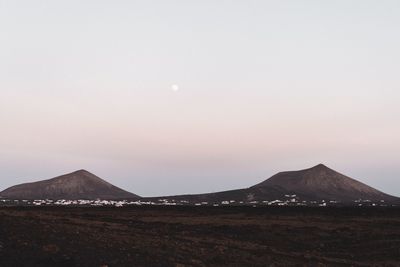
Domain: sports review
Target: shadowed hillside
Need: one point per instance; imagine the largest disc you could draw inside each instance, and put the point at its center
(315, 184)
(77, 185)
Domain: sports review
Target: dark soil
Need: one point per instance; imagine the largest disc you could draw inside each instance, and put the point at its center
(199, 236)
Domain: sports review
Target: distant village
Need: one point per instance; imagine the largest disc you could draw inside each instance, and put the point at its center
(287, 200)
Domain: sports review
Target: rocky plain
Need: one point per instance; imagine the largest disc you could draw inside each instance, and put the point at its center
(199, 236)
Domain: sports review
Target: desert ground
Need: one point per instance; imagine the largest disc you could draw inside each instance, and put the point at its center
(199, 236)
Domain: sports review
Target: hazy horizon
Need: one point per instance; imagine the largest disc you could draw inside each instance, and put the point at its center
(190, 97)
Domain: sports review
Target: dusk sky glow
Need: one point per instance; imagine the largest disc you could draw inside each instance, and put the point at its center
(173, 97)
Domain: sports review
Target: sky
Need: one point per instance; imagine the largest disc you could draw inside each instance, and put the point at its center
(182, 96)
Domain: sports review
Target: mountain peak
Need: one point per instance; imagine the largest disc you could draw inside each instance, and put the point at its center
(83, 171)
(320, 166)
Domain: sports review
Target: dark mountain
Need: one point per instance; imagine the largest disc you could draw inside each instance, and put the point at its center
(77, 185)
(321, 182)
(314, 184)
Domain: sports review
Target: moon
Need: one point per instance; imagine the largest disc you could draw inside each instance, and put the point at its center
(175, 87)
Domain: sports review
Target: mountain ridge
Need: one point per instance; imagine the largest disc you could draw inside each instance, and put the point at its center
(79, 184)
(318, 183)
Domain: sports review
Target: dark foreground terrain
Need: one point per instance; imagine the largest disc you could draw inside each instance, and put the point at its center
(199, 236)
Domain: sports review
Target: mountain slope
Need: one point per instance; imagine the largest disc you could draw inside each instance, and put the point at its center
(321, 182)
(314, 184)
(77, 185)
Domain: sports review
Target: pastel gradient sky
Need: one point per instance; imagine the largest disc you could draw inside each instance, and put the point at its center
(265, 86)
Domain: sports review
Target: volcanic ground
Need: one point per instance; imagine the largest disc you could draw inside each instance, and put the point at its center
(199, 236)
